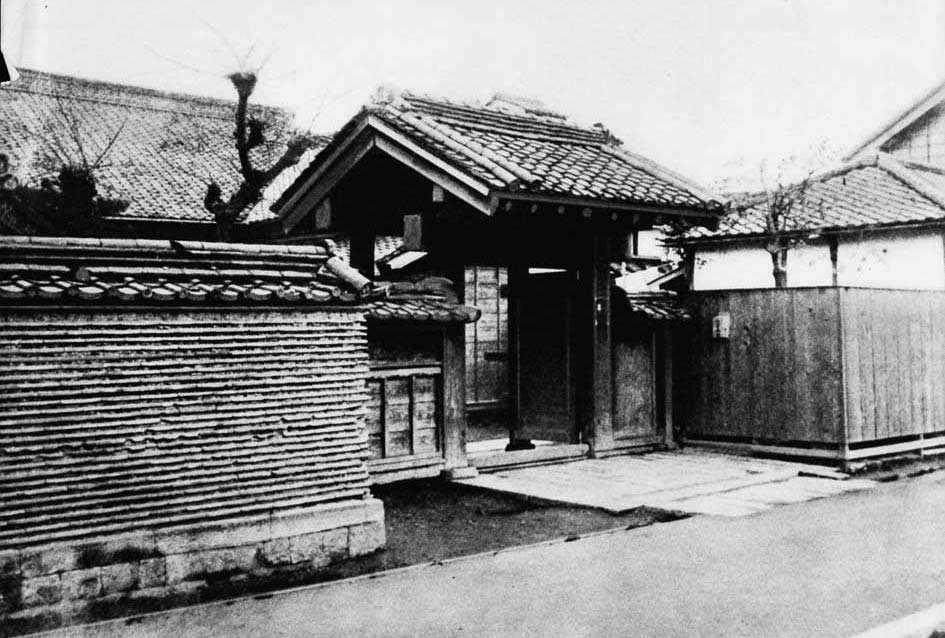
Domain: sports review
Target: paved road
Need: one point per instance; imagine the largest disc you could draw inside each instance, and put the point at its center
(833, 567)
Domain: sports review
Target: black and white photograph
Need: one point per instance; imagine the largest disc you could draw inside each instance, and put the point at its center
(495, 318)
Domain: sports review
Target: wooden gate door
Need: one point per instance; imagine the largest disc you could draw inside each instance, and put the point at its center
(546, 346)
(635, 387)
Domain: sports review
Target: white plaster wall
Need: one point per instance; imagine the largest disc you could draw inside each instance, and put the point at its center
(719, 268)
(909, 260)
(904, 260)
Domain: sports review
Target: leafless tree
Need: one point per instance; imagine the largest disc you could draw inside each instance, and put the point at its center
(250, 133)
(71, 158)
(785, 211)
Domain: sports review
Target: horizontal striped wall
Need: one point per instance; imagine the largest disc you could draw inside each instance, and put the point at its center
(127, 420)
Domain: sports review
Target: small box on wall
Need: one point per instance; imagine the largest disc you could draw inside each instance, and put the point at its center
(721, 326)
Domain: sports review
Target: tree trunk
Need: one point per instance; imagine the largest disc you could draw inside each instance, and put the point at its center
(779, 270)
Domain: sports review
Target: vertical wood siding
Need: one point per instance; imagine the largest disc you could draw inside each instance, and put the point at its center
(129, 420)
(923, 141)
(487, 339)
(894, 359)
(634, 384)
(405, 398)
(402, 413)
(776, 379)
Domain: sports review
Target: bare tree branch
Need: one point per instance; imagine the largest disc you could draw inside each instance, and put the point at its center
(229, 46)
(783, 209)
(108, 147)
(73, 128)
(180, 64)
(249, 133)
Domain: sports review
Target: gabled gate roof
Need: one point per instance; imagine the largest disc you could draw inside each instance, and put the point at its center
(484, 154)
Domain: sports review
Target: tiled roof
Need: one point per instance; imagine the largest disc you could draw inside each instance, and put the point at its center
(384, 245)
(428, 299)
(114, 271)
(169, 146)
(657, 306)
(877, 191)
(260, 211)
(530, 152)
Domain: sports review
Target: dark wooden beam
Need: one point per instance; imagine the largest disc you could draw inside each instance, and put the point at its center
(595, 375)
(362, 251)
(517, 274)
(667, 382)
(454, 396)
(600, 206)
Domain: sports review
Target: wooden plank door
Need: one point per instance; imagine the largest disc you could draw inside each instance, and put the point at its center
(546, 350)
(635, 384)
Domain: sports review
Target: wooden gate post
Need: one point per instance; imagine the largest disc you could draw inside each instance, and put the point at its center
(667, 380)
(517, 274)
(454, 398)
(594, 337)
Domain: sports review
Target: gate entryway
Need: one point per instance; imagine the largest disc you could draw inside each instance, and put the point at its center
(547, 352)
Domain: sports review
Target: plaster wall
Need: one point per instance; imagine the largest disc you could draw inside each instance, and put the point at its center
(726, 268)
(902, 260)
(906, 260)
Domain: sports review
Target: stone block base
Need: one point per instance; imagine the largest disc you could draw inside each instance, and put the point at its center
(49, 586)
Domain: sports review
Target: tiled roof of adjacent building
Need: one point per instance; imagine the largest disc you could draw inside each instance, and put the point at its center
(427, 299)
(637, 291)
(168, 147)
(384, 245)
(260, 212)
(531, 151)
(875, 192)
(655, 306)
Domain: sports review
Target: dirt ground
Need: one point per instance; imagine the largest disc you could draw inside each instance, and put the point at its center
(433, 520)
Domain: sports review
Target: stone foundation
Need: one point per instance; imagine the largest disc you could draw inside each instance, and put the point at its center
(47, 586)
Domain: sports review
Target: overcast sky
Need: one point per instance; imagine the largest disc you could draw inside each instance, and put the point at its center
(711, 89)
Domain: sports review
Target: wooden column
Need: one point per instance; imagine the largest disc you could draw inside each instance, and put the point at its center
(517, 275)
(595, 377)
(454, 396)
(454, 383)
(668, 384)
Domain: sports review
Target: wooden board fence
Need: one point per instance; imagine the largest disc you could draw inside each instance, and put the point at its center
(839, 372)
(894, 356)
(777, 378)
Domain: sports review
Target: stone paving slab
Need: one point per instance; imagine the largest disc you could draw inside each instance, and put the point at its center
(692, 481)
